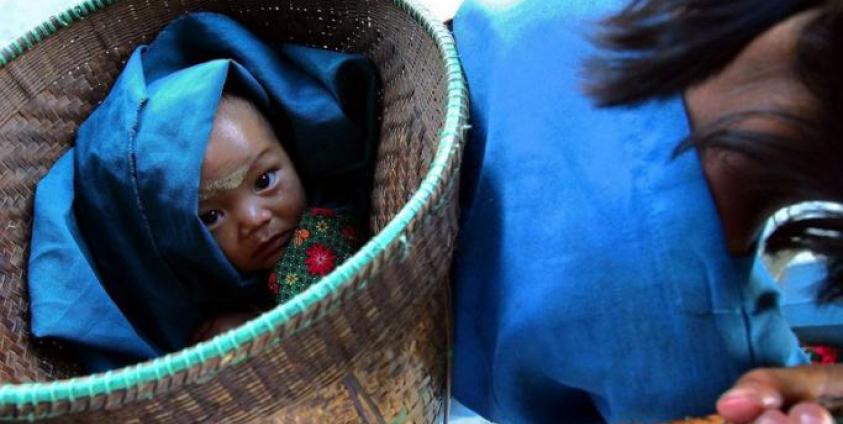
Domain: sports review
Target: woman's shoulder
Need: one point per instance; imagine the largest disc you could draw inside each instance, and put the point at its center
(537, 42)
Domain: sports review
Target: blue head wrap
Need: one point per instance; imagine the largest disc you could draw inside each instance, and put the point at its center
(120, 264)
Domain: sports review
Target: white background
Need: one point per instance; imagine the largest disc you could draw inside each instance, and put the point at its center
(19, 16)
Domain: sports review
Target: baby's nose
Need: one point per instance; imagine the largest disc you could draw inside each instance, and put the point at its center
(254, 217)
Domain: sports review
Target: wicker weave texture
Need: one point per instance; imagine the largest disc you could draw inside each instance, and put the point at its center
(374, 350)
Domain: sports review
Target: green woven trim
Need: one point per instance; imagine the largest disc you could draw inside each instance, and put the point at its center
(47, 28)
(450, 137)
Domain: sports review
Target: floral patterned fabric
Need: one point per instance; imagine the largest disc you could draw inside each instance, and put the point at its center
(820, 354)
(323, 240)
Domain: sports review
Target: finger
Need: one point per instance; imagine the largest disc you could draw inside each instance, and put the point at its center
(772, 416)
(764, 389)
(747, 400)
(804, 383)
(809, 412)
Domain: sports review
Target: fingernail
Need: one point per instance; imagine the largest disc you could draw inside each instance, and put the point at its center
(745, 395)
(809, 418)
(770, 400)
(740, 395)
(764, 419)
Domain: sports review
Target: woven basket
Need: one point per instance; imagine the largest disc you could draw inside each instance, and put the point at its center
(369, 343)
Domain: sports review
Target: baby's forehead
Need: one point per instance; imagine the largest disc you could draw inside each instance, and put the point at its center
(228, 159)
(235, 106)
(209, 187)
(237, 113)
(240, 136)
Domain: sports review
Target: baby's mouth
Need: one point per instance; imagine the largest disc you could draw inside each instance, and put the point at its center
(273, 245)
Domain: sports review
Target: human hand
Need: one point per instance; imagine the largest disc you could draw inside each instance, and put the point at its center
(805, 394)
(220, 324)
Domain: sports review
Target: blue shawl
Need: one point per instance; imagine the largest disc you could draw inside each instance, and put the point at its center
(121, 266)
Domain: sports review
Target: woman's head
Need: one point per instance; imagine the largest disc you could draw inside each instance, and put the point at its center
(658, 48)
(250, 196)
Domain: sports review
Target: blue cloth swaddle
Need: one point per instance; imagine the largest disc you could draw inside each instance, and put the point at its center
(121, 265)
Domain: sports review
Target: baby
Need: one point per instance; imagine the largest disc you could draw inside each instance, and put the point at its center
(252, 201)
(179, 204)
(250, 196)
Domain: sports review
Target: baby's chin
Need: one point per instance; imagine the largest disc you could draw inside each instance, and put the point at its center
(268, 264)
(273, 259)
(260, 266)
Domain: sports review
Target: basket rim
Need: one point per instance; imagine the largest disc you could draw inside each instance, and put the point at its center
(449, 142)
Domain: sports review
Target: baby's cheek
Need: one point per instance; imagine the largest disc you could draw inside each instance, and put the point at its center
(298, 205)
(226, 242)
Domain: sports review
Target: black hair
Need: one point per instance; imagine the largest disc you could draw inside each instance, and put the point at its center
(658, 48)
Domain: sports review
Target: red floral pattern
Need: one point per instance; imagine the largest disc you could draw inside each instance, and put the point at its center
(300, 236)
(322, 241)
(272, 283)
(322, 212)
(320, 259)
(825, 354)
(349, 233)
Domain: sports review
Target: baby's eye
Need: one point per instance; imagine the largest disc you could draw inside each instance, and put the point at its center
(266, 180)
(211, 217)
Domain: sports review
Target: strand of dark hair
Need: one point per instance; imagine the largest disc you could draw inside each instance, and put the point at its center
(655, 48)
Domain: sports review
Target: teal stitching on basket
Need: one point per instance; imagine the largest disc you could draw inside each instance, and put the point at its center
(406, 246)
(96, 387)
(401, 418)
(143, 373)
(29, 39)
(157, 368)
(52, 397)
(177, 362)
(456, 104)
(32, 400)
(437, 208)
(168, 365)
(64, 19)
(90, 388)
(201, 356)
(69, 390)
(124, 381)
(40, 33)
(108, 379)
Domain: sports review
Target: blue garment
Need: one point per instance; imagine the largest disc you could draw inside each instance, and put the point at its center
(800, 283)
(121, 264)
(592, 279)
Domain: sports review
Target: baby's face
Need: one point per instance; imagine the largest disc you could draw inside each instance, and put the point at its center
(250, 196)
